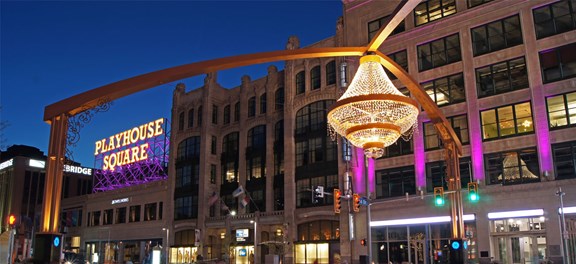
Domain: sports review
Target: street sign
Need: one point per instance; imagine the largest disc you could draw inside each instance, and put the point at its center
(364, 201)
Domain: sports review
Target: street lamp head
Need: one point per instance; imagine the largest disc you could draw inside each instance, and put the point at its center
(232, 213)
(252, 222)
(164, 228)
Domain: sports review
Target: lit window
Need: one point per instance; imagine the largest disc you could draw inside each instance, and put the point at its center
(507, 121)
(561, 110)
(432, 10)
(446, 90)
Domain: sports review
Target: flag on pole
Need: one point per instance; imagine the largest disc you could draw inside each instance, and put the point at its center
(213, 199)
(245, 201)
(238, 191)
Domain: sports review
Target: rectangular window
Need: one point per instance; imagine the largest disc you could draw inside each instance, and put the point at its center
(474, 3)
(315, 78)
(561, 110)
(432, 10)
(304, 196)
(436, 174)
(565, 160)
(181, 121)
(94, 218)
(555, 18)
(150, 211)
(213, 145)
(279, 99)
(191, 118)
(512, 167)
(374, 27)
(395, 182)
(300, 82)
(212, 173)
(121, 215)
(134, 214)
(460, 126)
(558, 63)
(252, 106)
(214, 114)
(199, 115)
(439, 52)
(263, 103)
(108, 217)
(399, 148)
(400, 57)
(506, 121)
(331, 73)
(183, 207)
(496, 35)
(446, 90)
(237, 112)
(226, 114)
(501, 77)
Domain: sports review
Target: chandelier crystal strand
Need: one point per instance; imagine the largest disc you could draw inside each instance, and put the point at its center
(372, 114)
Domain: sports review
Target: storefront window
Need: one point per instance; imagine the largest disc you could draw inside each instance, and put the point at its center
(418, 244)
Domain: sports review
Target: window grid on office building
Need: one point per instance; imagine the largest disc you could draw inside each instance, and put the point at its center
(497, 35)
(506, 121)
(555, 18)
(433, 10)
(561, 110)
(512, 167)
(501, 77)
(439, 52)
(459, 124)
(446, 90)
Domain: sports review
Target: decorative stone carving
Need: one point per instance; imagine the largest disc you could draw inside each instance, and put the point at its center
(293, 43)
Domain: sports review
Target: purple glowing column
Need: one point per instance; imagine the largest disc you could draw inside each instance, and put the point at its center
(476, 151)
(358, 171)
(541, 129)
(419, 158)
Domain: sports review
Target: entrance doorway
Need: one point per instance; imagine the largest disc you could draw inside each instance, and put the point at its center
(519, 240)
(520, 249)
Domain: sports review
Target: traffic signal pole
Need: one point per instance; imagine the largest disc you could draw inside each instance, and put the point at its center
(455, 196)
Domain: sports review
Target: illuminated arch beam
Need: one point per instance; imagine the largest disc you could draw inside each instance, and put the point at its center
(402, 10)
(113, 91)
(445, 130)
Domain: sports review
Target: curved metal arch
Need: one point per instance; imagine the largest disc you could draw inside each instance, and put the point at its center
(113, 91)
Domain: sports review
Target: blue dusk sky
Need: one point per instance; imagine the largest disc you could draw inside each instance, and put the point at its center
(52, 50)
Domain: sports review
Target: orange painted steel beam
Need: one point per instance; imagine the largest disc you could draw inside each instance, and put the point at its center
(89, 99)
(447, 134)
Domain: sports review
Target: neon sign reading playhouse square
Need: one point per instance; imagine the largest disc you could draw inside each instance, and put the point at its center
(127, 147)
(137, 155)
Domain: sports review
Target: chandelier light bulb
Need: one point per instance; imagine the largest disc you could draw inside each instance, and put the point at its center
(372, 114)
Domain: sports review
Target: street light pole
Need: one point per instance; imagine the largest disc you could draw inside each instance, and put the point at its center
(255, 240)
(566, 258)
(167, 242)
(368, 217)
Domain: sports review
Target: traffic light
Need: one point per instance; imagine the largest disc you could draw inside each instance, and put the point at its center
(439, 196)
(473, 192)
(317, 192)
(11, 220)
(337, 200)
(363, 242)
(356, 202)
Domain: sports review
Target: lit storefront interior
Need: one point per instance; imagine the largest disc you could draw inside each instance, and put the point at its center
(419, 240)
(518, 236)
(318, 242)
(137, 251)
(184, 249)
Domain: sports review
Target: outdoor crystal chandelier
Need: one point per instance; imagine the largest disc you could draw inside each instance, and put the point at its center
(372, 114)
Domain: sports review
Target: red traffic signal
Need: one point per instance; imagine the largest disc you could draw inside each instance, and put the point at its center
(363, 242)
(337, 200)
(356, 202)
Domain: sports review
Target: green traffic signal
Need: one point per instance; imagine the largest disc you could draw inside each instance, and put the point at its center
(439, 201)
(439, 196)
(473, 192)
